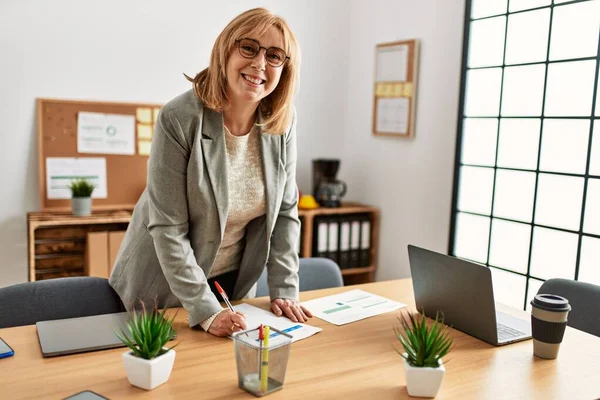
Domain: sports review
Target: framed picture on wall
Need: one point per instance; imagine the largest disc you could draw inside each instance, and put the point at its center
(394, 91)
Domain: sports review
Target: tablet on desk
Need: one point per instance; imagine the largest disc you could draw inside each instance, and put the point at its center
(78, 335)
(5, 349)
(86, 395)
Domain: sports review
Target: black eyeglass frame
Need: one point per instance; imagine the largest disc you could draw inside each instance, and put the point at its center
(239, 41)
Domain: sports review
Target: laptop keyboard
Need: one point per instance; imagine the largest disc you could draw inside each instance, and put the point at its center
(507, 333)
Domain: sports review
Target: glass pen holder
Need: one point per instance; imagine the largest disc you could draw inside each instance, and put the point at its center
(261, 368)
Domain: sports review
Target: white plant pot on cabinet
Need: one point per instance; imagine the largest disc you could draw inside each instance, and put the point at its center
(148, 374)
(81, 206)
(423, 381)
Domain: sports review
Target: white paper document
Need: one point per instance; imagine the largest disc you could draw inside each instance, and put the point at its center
(392, 115)
(61, 171)
(105, 133)
(392, 63)
(351, 306)
(256, 316)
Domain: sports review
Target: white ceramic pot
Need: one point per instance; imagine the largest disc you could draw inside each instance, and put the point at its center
(423, 381)
(148, 374)
(81, 206)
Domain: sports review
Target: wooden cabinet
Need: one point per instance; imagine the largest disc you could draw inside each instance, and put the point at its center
(351, 276)
(57, 241)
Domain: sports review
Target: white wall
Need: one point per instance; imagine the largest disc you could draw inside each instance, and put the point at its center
(137, 51)
(409, 179)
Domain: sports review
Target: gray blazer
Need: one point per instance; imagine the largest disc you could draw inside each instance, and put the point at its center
(178, 223)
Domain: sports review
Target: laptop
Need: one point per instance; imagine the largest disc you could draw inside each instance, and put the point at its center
(463, 291)
(77, 335)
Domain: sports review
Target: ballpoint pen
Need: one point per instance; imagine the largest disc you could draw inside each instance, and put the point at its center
(225, 298)
(260, 358)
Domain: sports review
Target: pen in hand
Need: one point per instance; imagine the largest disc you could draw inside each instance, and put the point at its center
(225, 298)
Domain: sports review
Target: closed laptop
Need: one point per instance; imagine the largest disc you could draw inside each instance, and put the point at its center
(78, 335)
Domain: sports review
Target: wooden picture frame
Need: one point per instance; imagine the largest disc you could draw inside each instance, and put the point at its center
(395, 88)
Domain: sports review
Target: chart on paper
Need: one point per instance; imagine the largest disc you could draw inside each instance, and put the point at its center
(61, 171)
(256, 316)
(351, 306)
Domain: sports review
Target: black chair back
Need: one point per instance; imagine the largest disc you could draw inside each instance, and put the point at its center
(28, 303)
(314, 273)
(584, 299)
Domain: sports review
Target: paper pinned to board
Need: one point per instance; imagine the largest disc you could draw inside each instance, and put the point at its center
(105, 133)
(144, 147)
(144, 131)
(144, 115)
(350, 306)
(61, 171)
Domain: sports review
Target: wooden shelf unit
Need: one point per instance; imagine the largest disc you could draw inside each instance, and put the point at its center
(351, 276)
(56, 240)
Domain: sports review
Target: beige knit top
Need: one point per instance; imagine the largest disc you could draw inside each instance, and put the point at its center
(246, 200)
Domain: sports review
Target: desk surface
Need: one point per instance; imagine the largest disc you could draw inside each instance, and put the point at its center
(354, 361)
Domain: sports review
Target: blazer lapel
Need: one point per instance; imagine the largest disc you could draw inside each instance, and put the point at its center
(214, 152)
(270, 147)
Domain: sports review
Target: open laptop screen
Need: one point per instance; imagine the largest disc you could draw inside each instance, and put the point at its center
(459, 289)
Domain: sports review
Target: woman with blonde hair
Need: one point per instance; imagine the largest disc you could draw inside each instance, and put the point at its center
(221, 198)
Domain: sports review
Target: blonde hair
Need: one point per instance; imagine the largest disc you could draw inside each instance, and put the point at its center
(210, 85)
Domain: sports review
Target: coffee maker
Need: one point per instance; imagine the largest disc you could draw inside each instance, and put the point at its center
(327, 190)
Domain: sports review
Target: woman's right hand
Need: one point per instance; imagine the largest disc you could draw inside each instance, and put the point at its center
(226, 323)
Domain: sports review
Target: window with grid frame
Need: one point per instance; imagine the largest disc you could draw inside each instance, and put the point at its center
(526, 198)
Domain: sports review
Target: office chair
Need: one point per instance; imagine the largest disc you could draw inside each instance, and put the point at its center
(314, 273)
(28, 303)
(584, 299)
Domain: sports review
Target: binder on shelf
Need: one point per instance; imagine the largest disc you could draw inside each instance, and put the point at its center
(333, 239)
(347, 236)
(320, 229)
(354, 242)
(365, 241)
(344, 242)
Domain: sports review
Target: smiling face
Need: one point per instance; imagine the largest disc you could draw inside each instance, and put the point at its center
(251, 80)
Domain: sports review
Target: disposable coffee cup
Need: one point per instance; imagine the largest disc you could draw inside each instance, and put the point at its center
(548, 322)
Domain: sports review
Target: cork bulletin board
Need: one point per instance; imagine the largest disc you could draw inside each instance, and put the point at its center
(395, 88)
(60, 122)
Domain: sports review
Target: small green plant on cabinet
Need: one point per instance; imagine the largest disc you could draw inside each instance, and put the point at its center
(424, 345)
(148, 332)
(81, 187)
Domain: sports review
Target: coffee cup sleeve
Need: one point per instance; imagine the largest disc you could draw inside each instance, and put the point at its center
(547, 332)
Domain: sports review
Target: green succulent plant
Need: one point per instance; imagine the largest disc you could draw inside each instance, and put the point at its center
(424, 345)
(148, 332)
(81, 187)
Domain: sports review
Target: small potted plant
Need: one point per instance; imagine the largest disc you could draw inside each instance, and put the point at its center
(149, 362)
(81, 200)
(424, 346)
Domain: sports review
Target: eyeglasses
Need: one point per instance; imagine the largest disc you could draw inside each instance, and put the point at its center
(249, 48)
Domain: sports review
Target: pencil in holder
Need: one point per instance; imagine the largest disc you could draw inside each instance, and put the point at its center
(261, 364)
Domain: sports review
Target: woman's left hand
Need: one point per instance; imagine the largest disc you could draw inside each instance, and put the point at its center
(291, 308)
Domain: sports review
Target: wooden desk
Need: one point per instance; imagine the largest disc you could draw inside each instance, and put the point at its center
(354, 361)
